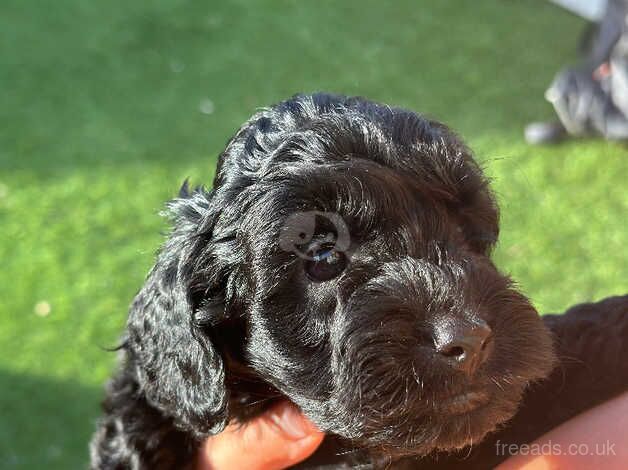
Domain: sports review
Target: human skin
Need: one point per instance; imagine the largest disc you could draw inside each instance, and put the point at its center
(575, 444)
(282, 437)
(275, 440)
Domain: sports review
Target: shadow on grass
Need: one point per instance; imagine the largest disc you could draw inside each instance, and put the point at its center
(45, 423)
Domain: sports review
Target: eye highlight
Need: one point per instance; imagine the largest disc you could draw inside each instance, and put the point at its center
(324, 263)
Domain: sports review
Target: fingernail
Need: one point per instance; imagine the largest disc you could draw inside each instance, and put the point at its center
(292, 422)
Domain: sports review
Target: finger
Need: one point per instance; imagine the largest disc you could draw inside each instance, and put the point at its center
(275, 440)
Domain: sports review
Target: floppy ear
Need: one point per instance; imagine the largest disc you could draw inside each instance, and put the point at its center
(464, 188)
(178, 369)
(475, 208)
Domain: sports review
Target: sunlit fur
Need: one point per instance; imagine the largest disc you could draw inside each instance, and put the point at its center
(227, 322)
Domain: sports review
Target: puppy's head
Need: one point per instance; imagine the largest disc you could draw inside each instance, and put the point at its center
(341, 260)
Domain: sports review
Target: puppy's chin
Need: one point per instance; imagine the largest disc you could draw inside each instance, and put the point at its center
(462, 429)
(445, 427)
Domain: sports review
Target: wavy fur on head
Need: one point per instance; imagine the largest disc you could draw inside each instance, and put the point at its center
(414, 345)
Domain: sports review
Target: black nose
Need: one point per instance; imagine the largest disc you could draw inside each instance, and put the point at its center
(464, 345)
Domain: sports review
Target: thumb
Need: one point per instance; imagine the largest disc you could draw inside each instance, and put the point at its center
(277, 439)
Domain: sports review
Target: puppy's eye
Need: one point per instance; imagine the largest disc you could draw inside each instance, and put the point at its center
(325, 263)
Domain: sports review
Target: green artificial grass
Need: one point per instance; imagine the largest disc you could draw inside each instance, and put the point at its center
(107, 107)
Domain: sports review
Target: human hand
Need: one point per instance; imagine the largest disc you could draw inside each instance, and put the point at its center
(280, 437)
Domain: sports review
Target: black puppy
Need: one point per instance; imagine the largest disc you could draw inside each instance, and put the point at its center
(341, 261)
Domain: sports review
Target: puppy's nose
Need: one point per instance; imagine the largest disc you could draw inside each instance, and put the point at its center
(464, 346)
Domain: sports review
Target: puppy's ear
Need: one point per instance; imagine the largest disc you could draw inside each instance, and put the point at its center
(475, 208)
(178, 368)
(461, 184)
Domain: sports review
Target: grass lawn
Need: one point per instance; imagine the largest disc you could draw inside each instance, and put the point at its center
(107, 107)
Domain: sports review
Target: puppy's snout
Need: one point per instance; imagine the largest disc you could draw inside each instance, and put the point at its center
(463, 346)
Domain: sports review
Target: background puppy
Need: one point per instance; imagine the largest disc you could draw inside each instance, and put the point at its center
(341, 260)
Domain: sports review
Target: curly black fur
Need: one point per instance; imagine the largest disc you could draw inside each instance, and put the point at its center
(228, 322)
